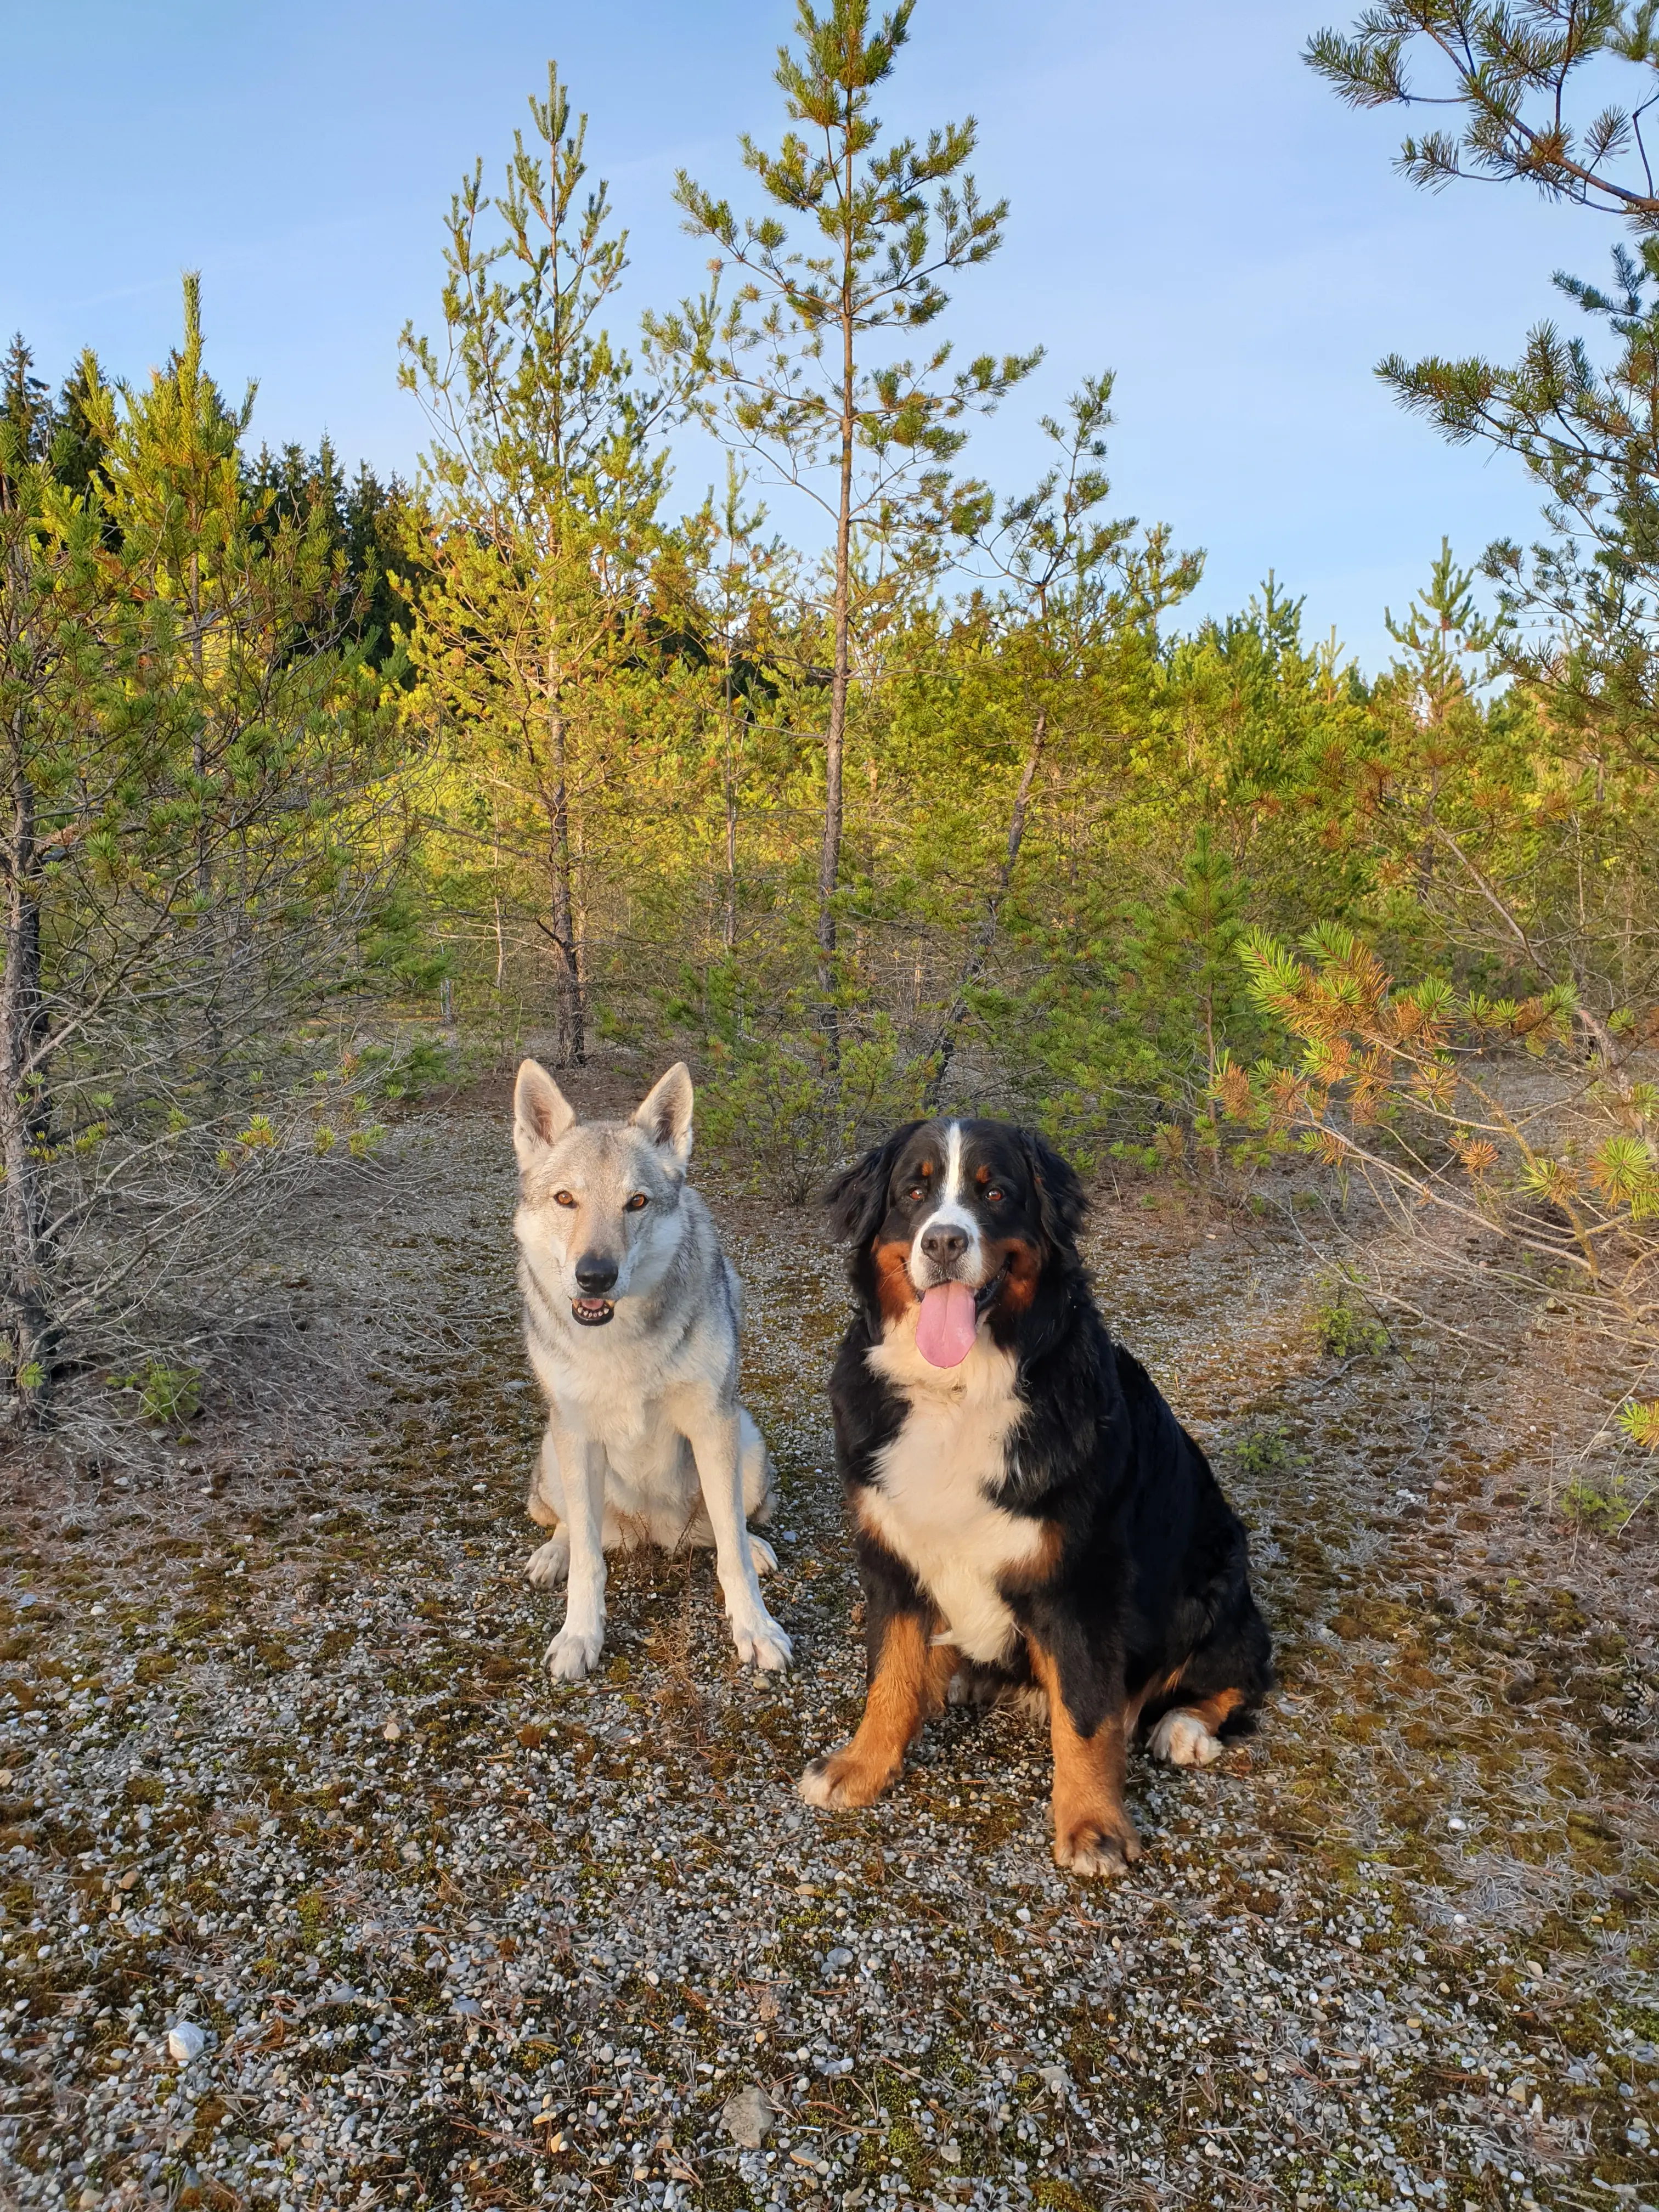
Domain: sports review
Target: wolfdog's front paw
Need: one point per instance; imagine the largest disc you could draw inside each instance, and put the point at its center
(549, 1563)
(761, 1552)
(573, 1652)
(764, 1642)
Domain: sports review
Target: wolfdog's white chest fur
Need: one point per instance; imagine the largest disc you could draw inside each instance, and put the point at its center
(612, 1384)
(931, 1507)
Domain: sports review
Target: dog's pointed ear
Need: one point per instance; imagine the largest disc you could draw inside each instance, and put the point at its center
(541, 1113)
(1061, 1202)
(856, 1199)
(665, 1113)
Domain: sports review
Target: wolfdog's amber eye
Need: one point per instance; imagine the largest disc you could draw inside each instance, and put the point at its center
(996, 1193)
(563, 1198)
(916, 1194)
(636, 1202)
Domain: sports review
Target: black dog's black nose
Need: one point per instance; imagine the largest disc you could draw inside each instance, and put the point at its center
(595, 1273)
(944, 1246)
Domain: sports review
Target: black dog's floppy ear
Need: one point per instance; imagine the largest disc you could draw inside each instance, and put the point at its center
(1061, 1202)
(856, 1199)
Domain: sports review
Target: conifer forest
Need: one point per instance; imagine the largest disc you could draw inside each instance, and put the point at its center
(872, 789)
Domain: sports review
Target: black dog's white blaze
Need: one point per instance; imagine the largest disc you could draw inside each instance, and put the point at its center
(934, 1255)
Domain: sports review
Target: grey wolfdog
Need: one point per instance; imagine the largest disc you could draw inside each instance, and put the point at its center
(630, 1316)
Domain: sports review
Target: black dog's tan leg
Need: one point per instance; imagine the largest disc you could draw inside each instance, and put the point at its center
(1093, 1832)
(906, 1687)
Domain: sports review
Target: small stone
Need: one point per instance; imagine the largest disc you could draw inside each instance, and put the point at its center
(186, 2043)
(837, 1959)
(746, 2115)
(392, 1731)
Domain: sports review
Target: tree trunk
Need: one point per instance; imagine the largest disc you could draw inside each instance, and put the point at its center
(729, 920)
(211, 962)
(23, 1300)
(1425, 850)
(572, 1043)
(944, 1046)
(835, 737)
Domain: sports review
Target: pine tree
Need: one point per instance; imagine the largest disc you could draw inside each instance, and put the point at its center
(740, 581)
(195, 827)
(1204, 918)
(1567, 888)
(24, 407)
(363, 522)
(789, 358)
(375, 528)
(30, 627)
(542, 480)
(1511, 67)
(1443, 646)
(1052, 564)
(76, 447)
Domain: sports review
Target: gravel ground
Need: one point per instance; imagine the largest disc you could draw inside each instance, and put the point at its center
(316, 1894)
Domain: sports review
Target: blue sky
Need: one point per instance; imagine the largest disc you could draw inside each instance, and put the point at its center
(1190, 207)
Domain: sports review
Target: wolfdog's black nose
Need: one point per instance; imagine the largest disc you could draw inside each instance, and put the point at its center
(595, 1273)
(943, 1245)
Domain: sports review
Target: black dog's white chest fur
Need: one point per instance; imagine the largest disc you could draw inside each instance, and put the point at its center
(932, 1504)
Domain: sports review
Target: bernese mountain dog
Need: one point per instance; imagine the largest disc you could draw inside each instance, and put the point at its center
(1027, 1513)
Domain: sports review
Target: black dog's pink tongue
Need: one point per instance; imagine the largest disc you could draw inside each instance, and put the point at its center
(945, 1325)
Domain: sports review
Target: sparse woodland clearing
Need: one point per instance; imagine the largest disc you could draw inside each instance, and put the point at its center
(314, 1892)
(281, 1760)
